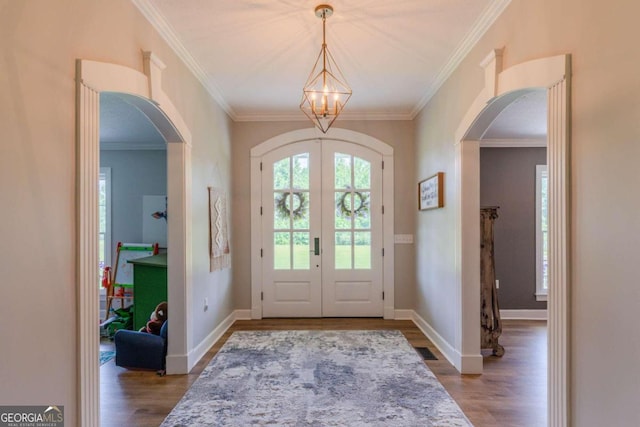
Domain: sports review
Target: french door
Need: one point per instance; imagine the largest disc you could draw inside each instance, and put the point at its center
(322, 230)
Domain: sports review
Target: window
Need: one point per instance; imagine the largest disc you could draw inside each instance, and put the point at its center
(542, 234)
(104, 211)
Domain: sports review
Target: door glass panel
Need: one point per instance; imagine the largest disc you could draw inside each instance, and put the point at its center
(291, 213)
(300, 209)
(362, 174)
(361, 214)
(281, 176)
(282, 251)
(362, 250)
(281, 219)
(301, 251)
(343, 210)
(301, 171)
(352, 248)
(342, 171)
(343, 248)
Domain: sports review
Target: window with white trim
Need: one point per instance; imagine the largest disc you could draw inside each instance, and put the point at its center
(542, 234)
(104, 211)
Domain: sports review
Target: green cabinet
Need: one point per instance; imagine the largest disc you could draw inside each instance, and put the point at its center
(149, 287)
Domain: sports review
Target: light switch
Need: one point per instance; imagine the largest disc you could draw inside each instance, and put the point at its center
(403, 239)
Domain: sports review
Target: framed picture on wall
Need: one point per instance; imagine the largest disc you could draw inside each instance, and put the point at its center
(431, 192)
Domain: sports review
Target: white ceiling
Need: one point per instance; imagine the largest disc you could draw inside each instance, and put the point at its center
(524, 119)
(254, 56)
(124, 127)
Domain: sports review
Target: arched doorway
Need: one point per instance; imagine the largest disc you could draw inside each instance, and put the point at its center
(143, 91)
(355, 149)
(552, 74)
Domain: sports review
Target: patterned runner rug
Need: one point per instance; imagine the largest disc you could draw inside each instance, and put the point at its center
(317, 378)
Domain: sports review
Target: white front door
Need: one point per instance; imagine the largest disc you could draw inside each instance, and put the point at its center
(291, 231)
(322, 230)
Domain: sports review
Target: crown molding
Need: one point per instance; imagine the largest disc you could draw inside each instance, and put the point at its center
(155, 17)
(484, 22)
(346, 116)
(132, 146)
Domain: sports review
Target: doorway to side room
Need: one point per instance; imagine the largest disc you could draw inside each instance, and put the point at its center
(502, 87)
(132, 205)
(144, 92)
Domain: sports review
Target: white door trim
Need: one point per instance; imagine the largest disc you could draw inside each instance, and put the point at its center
(144, 89)
(501, 88)
(387, 194)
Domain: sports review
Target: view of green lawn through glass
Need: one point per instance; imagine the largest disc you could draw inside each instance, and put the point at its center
(301, 256)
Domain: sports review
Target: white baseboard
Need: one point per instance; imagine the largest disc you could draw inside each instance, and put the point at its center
(403, 315)
(243, 314)
(445, 348)
(465, 364)
(523, 314)
(182, 364)
(177, 364)
(201, 349)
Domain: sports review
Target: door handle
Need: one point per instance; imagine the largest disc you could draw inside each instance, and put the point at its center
(316, 246)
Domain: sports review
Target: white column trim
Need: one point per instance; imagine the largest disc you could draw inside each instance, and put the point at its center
(559, 306)
(468, 289)
(88, 147)
(179, 271)
(153, 68)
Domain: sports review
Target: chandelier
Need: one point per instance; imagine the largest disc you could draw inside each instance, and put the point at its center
(326, 91)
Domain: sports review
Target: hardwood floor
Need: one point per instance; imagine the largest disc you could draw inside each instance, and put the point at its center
(511, 392)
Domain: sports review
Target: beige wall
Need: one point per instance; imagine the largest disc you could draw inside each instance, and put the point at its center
(605, 374)
(39, 44)
(398, 134)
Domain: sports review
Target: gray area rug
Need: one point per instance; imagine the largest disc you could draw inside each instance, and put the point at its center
(317, 378)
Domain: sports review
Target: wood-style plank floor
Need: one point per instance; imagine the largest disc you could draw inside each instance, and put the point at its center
(511, 392)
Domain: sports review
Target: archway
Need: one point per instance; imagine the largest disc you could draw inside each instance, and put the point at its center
(501, 89)
(313, 134)
(144, 91)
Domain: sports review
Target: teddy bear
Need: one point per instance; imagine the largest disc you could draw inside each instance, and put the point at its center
(156, 320)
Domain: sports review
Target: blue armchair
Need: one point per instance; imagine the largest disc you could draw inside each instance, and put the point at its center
(141, 350)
